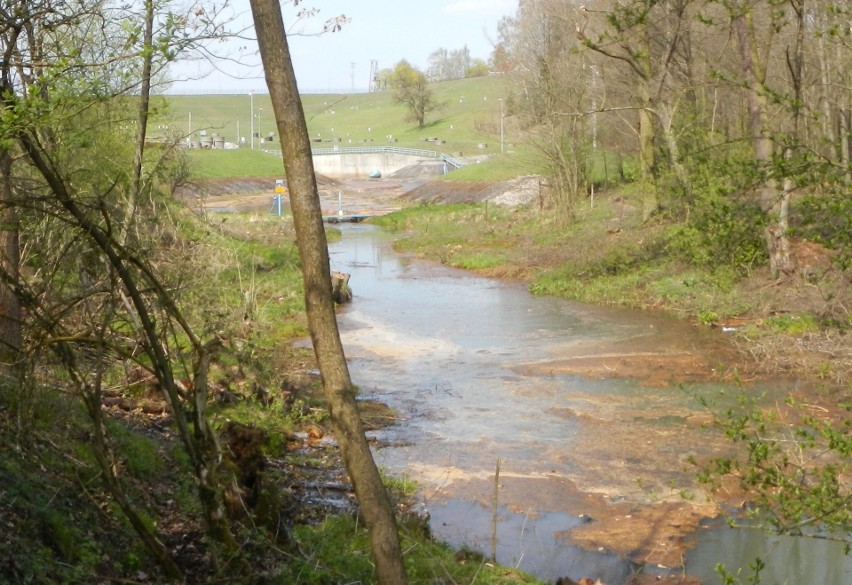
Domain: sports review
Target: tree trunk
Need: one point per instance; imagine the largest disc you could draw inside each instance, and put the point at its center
(772, 200)
(845, 116)
(10, 306)
(829, 118)
(142, 119)
(650, 203)
(666, 116)
(313, 251)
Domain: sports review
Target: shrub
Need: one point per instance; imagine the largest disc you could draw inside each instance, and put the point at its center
(721, 231)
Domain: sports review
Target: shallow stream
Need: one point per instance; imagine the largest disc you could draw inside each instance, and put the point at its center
(592, 413)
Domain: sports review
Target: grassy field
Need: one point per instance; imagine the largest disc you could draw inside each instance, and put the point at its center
(227, 164)
(468, 118)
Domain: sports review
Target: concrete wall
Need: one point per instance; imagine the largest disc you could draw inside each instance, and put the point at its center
(361, 165)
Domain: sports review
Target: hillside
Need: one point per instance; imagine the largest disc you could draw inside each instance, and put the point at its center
(468, 121)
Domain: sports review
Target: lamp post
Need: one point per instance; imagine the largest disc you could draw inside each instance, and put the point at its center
(251, 116)
(501, 125)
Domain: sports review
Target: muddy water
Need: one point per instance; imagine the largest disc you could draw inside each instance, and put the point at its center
(591, 413)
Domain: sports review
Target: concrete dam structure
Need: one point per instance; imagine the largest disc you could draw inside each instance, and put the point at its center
(362, 162)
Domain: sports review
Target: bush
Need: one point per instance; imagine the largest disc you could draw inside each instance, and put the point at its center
(721, 231)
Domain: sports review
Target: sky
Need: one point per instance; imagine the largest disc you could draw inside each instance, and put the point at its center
(384, 31)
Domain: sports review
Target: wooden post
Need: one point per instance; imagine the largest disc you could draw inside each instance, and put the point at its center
(495, 501)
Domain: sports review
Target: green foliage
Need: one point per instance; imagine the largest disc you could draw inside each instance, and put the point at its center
(478, 69)
(710, 294)
(278, 422)
(603, 289)
(418, 214)
(606, 168)
(411, 88)
(441, 231)
(248, 276)
(618, 261)
(401, 487)
(794, 473)
(793, 324)
(751, 578)
(721, 231)
(708, 317)
(56, 533)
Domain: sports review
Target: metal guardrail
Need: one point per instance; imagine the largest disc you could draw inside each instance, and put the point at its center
(454, 162)
(375, 150)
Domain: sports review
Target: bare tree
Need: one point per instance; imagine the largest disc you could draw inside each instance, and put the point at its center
(313, 250)
(650, 39)
(553, 98)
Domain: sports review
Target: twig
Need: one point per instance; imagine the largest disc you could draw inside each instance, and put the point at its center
(494, 503)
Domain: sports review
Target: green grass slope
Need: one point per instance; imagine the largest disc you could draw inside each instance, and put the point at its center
(469, 116)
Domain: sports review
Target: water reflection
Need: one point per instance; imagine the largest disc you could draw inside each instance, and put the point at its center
(526, 541)
(465, 362)
(788, 559)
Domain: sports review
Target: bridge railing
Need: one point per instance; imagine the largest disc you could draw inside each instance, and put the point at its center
(454, 162)
(375, 150)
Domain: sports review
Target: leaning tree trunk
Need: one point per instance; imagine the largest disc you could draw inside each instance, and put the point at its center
(313, 251)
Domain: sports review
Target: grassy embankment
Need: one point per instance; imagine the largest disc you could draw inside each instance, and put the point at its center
(468, 122)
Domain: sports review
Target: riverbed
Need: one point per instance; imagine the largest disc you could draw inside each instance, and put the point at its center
(592, 414)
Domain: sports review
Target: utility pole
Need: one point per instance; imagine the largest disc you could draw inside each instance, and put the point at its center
(352, 76)
(251, 116)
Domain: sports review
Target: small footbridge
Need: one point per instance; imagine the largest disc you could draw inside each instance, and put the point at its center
(362, 161)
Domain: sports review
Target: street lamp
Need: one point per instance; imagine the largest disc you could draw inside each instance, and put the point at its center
(501, 125)
(251, 116)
